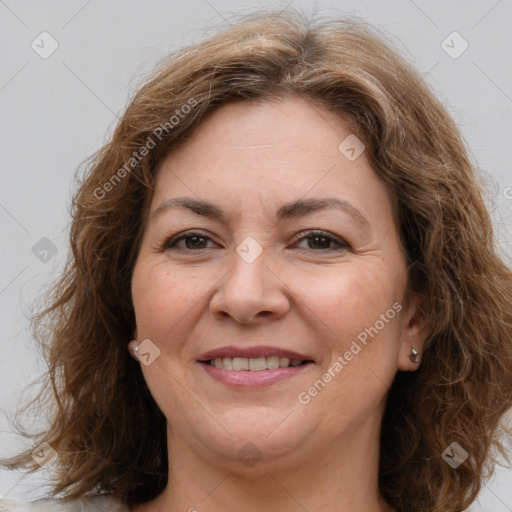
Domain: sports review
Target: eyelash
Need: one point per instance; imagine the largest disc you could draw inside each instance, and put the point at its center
(304, 235)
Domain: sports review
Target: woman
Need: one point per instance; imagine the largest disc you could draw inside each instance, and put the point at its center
(283, 292)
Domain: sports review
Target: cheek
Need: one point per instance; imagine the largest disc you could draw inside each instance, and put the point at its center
(350, 298)
(163, 295)
(348, 307)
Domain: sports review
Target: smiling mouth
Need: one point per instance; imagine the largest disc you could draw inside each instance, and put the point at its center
(254, 364)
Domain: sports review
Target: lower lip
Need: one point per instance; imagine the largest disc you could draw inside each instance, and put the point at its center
(251, 379)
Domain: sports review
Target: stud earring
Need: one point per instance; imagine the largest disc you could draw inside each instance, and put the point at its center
(413, 355)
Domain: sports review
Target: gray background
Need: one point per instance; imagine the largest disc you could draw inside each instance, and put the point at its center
(56, 111)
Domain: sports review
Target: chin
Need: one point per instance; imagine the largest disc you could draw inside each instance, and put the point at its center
(255, 445)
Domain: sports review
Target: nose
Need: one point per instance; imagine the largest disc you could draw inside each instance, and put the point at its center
(250, 292)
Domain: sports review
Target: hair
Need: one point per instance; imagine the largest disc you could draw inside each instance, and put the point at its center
(103, 422)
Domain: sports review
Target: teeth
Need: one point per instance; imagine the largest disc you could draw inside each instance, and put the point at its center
(257, 364)
(272, 362)
(240, 363)
(254, 364)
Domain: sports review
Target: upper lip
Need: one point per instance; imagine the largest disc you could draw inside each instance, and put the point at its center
(253, 352)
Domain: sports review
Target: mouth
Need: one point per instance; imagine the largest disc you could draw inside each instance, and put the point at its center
(253, 367)
(253, 359)
(254, 364)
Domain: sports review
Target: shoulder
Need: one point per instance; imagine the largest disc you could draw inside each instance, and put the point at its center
(85, 504)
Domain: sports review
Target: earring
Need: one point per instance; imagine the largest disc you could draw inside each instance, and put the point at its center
(413, 355)
(136, 351)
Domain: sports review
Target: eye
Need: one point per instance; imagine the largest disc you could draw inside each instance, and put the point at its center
(316, 240)
(193, 240)
(321, 240)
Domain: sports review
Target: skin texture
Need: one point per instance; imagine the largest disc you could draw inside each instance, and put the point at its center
(300, 294)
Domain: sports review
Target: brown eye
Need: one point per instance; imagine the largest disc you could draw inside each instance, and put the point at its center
(321, 240)
(188, 241)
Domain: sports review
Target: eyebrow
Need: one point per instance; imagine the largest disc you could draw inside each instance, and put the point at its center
(294, 209)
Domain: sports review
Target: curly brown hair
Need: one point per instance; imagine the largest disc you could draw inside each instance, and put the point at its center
(95, 392)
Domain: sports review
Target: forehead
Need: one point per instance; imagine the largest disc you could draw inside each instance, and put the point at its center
(261, 153)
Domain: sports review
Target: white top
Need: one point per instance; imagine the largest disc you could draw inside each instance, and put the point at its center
(85, 504)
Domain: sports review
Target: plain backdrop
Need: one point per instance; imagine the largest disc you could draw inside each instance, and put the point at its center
(58, 108)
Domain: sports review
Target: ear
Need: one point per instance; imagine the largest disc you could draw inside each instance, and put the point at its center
(413, 332)
(133, 344)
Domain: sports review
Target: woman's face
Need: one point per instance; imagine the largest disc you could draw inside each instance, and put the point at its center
(268, 242)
